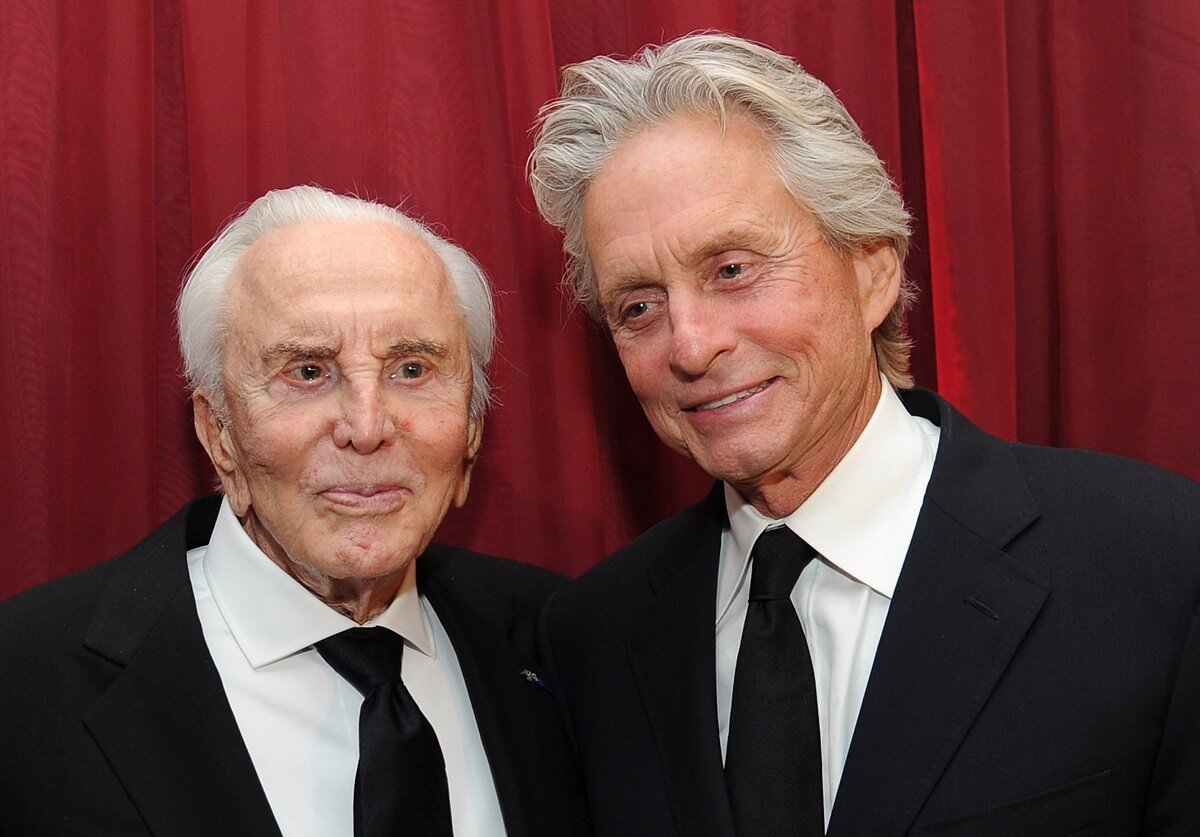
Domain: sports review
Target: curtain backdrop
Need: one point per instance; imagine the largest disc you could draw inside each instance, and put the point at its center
(1050, 150)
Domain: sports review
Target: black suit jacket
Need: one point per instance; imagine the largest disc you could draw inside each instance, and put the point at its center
(1038, 672)
(113, 719)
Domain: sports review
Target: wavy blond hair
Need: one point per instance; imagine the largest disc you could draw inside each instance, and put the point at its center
(820, 154)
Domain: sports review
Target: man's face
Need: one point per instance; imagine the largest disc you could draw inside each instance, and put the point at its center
(745, 336)
(348, 380)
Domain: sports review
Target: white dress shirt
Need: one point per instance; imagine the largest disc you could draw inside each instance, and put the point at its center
(860, 521)
(299, 718)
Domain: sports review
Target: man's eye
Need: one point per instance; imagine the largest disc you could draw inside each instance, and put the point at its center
(409, 371)
(731, 271)
(636, 310)
(309, 372)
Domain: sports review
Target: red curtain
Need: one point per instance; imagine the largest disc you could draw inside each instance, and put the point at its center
(1051, 153)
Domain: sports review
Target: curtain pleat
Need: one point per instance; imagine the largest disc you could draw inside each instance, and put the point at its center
(1048, 151)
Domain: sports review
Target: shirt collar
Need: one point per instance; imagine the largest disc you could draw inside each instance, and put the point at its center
(851, 519)
(272, 616)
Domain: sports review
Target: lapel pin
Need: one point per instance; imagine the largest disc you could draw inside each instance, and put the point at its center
(532, 677)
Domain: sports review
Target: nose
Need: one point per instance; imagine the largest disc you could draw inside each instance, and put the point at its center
(365, 423)
(699, 334)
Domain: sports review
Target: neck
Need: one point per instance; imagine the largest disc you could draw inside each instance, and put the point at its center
(360, 599)
(779, 494)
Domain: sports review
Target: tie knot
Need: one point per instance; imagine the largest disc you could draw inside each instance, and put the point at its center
(780, 555)
(365, 657)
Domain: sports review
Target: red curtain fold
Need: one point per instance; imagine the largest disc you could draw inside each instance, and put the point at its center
(1049, 152)
(965, 129)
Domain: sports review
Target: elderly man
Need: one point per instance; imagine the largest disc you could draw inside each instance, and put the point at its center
(239, 671)
(882, 620)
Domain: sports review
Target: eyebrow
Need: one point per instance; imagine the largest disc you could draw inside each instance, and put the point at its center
(293, 350)
(739, 235)
(623, 285)
(430, 348)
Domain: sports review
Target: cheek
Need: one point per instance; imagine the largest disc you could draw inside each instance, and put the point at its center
(645, 370)
(277, 462)
(812, 325)
(652, 384)
(278, 436)
(439, 445)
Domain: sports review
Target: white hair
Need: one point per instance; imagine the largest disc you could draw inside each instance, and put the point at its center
(820, 154)
(202, 302)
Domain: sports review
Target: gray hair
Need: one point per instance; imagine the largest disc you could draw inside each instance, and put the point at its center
(820, 153)
(201, 309)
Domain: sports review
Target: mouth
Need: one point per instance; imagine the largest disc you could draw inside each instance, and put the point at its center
(732, 398)
(367, 497)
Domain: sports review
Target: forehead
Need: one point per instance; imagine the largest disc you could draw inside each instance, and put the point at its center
(320, 275)
(685, 179)
(697, 142)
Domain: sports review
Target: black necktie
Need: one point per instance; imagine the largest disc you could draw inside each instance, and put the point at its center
(400, 787)
(773, 759)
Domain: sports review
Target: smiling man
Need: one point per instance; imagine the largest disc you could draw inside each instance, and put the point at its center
(295, 656)
(882, 620)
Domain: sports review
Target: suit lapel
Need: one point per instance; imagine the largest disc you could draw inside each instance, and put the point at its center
(674, 657)
(165, 724)
(960, 610)
(518, 720)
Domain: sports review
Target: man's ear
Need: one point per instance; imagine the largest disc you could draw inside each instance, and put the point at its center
(474, 441)
(213, 433)
(877, 269)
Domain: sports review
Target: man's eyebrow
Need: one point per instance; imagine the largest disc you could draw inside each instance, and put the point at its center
(623, 285)
(430, 348)
(619, 287)
(737, 236)
(293, 350)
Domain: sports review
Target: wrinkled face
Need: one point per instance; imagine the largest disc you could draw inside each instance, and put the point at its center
(348, 380)
(745, 336)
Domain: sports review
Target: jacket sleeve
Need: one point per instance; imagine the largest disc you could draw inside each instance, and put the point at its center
(1173, 803)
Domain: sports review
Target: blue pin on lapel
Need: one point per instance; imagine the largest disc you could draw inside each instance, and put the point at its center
(532, 677)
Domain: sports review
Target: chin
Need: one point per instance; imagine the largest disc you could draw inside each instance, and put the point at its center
(363, 567)
(383, 557)
(733, 472)
(368, 554)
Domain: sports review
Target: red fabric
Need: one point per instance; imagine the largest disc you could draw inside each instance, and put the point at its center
(968, 191)
(1049, 152)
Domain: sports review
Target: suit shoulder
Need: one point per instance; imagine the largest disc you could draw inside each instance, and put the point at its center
(1101, 481)
(49, 606)
(516, 580)
(45, 625)
(620, 579)
(1139, 522)
(63, 610)
(632, 560)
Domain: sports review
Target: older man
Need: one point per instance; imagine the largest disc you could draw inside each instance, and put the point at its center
(239, 671)
(882, 620)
